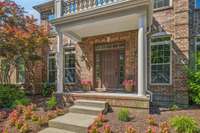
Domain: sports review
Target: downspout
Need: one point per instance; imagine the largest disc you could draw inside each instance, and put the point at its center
(147, 34)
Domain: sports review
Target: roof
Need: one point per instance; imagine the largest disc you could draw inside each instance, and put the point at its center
(43, 5)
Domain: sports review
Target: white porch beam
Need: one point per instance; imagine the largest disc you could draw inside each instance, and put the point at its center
(141, 56)
(59, 62)
(73, 36)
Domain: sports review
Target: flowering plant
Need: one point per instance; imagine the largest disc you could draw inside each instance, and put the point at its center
(164, 127)
(86, 84)
(151, 130)
(129, 85)
(107, 129)
(130, 129)
(13, 117)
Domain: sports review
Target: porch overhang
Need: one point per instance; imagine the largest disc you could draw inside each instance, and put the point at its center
(118, 17)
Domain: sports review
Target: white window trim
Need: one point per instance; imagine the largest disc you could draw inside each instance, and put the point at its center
(160, 43)
(164, 7)
(196, 44)
(49, 57)
(67, 53)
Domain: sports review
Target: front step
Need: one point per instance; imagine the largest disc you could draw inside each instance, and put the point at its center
(86, 110)
(78, 123)
(91, 103)
(54, 130)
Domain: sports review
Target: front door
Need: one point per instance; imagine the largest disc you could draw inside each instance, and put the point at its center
(110, 69)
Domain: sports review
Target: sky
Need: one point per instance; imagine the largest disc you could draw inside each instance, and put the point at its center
(28, 5)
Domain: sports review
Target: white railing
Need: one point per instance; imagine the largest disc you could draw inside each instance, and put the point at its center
(75, 6)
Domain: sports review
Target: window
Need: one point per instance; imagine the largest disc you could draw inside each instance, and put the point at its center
(161, 3)
(198, 53)
(20, 71)
(69, 65)
(197, 4)
(5, 68)
(160, 60)
(52, 68)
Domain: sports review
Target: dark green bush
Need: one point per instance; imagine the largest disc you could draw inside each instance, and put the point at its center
(9, 94)
(194, 86)
(24, 101)
(184, 124)
(47, 89)
(123, 114)
(51, 103)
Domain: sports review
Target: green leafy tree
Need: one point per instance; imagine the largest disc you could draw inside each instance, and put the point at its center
(21, 37)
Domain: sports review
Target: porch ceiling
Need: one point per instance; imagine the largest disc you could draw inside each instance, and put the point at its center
(112, 25)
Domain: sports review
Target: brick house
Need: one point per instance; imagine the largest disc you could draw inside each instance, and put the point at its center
(109, 41)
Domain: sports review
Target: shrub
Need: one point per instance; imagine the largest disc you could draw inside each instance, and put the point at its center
(13, 117)
(28, 112)
(19, 123)
(130, 129)
(184, 124)
(43, 120)
(35, 117)
(107, 129)
(9, 94)
(174, 107)
(24, 128)
(152, 121)
(94, 129)
(151, 130)
(51, 115)
(24, 101)
(51, 103)
(194, 86)
(48, 89)
(60, 112)
(164, 127)
(123, 114)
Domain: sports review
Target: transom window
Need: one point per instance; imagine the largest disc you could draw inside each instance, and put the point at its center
(198, 53)
(52, 68)
(69, 65)
(161, 3)
(197, 4)
(160, 60)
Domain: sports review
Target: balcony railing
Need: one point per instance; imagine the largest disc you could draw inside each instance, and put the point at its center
(75, 6)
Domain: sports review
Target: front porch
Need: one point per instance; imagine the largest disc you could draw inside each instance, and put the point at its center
(110, 43)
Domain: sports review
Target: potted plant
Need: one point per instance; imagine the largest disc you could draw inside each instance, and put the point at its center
(129, 85)
(86, 85)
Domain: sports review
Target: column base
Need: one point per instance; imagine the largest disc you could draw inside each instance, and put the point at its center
(60, 100)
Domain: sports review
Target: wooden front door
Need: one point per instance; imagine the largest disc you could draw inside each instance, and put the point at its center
(110, 69)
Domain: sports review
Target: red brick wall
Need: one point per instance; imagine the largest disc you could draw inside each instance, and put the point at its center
(85, 54)
(174, 20)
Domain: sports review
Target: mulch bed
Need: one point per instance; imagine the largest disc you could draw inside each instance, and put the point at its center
(140, 120)
(34, 127)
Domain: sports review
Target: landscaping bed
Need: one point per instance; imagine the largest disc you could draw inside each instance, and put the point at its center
(29, 119)
(141, 121)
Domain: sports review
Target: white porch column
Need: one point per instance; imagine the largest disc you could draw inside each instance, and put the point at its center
(58, 8)
(59, 62)
(141, 56)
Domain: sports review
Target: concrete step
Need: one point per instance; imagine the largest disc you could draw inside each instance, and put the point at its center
(91, 103)
(78, 123)
(54, 130)
(86, 110)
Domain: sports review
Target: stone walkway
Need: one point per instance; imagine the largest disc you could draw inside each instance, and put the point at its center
(80, 117)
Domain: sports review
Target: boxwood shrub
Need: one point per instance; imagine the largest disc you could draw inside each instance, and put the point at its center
(10, 95)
